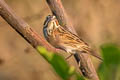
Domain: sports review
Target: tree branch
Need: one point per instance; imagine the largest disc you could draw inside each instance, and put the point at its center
(22, 27)
(86, 65)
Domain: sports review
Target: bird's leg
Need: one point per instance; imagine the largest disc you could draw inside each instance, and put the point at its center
(69, 56)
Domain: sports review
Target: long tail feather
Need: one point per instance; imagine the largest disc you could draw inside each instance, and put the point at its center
(93, 53)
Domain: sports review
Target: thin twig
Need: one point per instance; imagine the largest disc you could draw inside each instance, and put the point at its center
(86, 65)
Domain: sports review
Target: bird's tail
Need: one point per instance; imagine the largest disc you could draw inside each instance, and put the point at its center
(93, 53)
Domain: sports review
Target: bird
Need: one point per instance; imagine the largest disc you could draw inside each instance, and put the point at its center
(65, 40)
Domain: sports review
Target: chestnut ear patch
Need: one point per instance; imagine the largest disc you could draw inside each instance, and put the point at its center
(57, 23)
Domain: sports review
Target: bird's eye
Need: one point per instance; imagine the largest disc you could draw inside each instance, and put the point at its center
(49, 32)
(57, 23)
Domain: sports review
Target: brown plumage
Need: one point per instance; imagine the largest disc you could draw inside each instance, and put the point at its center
(63, 39)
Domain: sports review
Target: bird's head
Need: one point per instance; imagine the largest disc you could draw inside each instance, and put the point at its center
(50, 24)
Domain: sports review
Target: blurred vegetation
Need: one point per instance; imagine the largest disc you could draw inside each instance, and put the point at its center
(110, 68)
(59, 64)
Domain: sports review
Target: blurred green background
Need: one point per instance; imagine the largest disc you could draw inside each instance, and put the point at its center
(97, 22)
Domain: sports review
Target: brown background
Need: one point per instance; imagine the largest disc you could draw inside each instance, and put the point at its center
(96, 21)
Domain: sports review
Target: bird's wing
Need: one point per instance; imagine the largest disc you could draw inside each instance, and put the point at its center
(69, 39)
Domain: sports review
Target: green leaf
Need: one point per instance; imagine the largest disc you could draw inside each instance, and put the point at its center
(110, 68)
(58, 63)
(47, 55)
(111, 54)
(78, 77)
